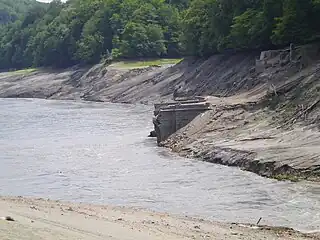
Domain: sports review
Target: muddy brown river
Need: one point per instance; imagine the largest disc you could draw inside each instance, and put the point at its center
(99, 153)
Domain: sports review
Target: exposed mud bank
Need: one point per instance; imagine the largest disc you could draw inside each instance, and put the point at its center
(271, 129)
(265, 113)
(252, 138)
(99, 83)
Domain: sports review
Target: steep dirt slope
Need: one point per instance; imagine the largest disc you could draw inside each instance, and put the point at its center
(98, 83)
(219, 75)
(271, 129)
(266, 106)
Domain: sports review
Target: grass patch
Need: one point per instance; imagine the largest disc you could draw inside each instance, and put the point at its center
(23, 71)
(145, 63)
(286, 177)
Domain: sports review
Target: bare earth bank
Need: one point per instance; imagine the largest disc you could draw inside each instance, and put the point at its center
(265, 115)
(36, 219)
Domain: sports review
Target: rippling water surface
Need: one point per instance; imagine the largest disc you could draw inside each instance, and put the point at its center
(99, 153)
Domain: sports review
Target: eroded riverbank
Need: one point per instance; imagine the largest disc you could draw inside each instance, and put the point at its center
(264, 118)
(92, 152)
(248, 137)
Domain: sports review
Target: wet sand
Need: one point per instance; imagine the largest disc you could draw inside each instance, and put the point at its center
(36, 219)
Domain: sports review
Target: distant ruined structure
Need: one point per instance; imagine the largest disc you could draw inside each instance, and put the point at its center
(172, 116)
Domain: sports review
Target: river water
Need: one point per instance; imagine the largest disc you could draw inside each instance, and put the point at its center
(99, 153)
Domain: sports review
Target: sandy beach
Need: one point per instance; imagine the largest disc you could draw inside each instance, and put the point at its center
(36, 219)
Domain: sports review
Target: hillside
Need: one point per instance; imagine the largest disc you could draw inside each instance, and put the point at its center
(11, 10)
(86, 31)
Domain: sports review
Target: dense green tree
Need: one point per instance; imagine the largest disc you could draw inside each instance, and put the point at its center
(295, 23)
(84, 31)
(248, 30)
(198, 26)
(11, 10)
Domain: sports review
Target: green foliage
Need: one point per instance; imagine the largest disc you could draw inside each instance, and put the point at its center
(295, 23)
(248, 30)
(198, 21)
(138, 40)
(11, 10)
(89, 48)
(22, 72)
(146, 63)
(210, 26)
(85, 31)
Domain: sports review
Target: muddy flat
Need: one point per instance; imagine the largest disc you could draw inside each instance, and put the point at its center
(36, 219)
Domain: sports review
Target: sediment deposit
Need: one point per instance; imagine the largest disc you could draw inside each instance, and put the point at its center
(264, 116)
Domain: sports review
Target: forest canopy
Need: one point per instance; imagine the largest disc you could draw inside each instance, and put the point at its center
(85, 31)
(11, 10)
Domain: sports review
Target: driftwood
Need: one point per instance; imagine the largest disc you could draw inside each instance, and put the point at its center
(8, 218)
(256, 138)
(259, 221)
(304, 112)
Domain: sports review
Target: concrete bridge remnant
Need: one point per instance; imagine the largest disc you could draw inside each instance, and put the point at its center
(172, 116)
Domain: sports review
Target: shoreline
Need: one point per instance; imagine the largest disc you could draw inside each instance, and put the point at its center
(46, 219)
(254, 140)
(180, 144)
(246, 162)
(251, 125)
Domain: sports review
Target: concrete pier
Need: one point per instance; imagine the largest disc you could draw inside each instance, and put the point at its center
(170, 117)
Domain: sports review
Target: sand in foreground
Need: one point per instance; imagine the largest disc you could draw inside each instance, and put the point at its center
(37, 219)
